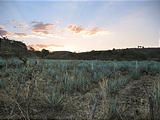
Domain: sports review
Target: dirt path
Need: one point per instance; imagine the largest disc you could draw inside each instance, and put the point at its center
(134, 97)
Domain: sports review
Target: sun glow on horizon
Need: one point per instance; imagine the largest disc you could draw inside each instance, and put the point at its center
(81, 27)
(66, 48)
(53, 48)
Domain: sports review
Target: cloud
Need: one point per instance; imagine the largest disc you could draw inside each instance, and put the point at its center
(41, 46)
(95, 31)
(76, 29)
(4, 33)
(34, 22)
(20, 25)
(19, 35)
(87, 31)
(1, 27)
(42, 28)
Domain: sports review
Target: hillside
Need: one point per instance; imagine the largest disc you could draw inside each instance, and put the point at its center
(123, 54)
(119, 54)
(11, 48)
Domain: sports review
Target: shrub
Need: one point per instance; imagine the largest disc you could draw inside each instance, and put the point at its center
(53, 97)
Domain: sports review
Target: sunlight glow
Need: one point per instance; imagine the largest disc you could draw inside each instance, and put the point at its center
(53, 48)
(77, 26)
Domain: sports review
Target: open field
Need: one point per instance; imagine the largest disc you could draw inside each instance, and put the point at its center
(78, 89)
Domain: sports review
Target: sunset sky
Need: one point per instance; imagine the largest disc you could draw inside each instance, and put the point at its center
(81, 25)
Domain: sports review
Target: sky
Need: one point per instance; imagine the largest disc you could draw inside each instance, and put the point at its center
(81, 25)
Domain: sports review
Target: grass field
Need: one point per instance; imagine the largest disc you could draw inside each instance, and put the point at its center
(77, 89)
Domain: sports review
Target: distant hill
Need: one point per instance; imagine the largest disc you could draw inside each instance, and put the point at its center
(119, 54)
(11, 48)
(123, 54)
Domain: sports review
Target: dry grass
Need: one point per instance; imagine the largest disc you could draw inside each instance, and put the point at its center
(127, 101)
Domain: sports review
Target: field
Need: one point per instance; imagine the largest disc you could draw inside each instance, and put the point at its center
(79, 89)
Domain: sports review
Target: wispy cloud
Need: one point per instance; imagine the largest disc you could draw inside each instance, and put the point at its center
(19, 35)
(87, 31)
(95, 31)
(42, 28)
(1, 27)
(76, 29)
(20, 25)
(41, 46)
(4, 33)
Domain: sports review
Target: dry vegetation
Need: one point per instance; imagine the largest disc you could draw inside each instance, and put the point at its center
(80, 90)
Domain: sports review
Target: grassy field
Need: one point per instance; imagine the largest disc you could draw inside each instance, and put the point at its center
(78, 89)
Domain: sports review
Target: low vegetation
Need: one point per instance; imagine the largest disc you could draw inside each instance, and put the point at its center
(92, 85)
(79, 89)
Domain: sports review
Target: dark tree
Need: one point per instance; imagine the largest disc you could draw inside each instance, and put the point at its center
(44, 53)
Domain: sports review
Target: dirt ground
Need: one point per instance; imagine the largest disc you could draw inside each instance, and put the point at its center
(132, 98)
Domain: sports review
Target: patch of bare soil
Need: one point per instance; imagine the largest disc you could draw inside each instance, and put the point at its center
(134, 97)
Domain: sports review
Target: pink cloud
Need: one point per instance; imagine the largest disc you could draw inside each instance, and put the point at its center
(76, 29)
(95, 31)
(41, 46)
(20, 25)
(19, 35)
(1, 27)
(4, 33)
(40, 27)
